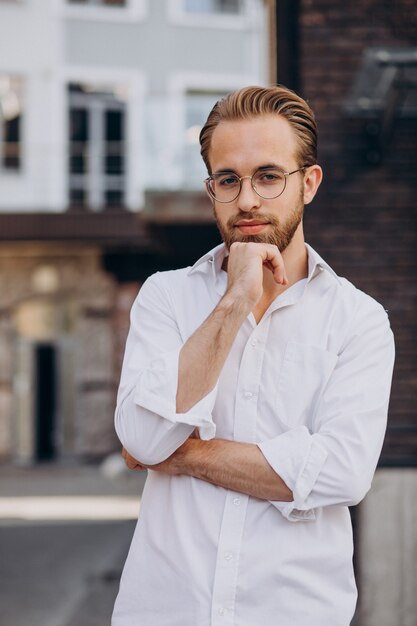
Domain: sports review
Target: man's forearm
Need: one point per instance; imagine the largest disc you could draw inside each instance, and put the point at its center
(203, 355)
(230, 464)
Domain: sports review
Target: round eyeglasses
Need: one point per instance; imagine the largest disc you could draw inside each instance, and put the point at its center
(269, 183)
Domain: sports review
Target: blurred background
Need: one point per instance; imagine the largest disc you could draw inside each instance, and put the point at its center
(101, 184)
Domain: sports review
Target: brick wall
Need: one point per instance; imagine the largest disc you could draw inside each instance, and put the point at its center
(364, 218)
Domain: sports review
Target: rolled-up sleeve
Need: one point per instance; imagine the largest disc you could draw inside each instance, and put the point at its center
(334, 462)
(146, 420)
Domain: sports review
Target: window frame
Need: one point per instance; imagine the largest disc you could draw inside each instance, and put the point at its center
(179, 86)
(135, 10)
(178, 15)
(135, 83)
(14, 171)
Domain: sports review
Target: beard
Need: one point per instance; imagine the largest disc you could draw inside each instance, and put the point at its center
(279, 233)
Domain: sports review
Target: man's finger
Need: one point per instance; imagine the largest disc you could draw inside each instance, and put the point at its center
(274, 261)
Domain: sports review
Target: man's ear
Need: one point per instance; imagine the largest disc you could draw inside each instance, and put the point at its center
(312, 180)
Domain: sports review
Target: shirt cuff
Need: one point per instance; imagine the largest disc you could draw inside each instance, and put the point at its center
(298, 459)
(156, 391)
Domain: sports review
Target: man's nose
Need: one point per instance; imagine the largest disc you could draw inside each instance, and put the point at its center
(248, 199)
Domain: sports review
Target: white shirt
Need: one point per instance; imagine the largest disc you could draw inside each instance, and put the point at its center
(309, 385)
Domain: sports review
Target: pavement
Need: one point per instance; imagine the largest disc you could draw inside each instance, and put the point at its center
(64, 535)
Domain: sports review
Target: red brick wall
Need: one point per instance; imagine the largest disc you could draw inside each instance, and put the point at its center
(364, 218)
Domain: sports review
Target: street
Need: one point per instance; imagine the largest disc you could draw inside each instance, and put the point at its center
(62, 556)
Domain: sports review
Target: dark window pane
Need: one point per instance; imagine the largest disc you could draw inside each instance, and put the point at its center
(78, 197)
(114, 126)
(11, 147)
(78, 125)
(114, 197)
(114, 162)
(78, 140)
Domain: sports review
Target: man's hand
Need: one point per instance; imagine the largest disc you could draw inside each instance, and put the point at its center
(173, 465)
(245, 270)
(131, 462)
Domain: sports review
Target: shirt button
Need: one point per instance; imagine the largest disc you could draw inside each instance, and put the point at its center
(248, 395)
(254, 342)
(221, 611)
(228, 556)
(236, 501)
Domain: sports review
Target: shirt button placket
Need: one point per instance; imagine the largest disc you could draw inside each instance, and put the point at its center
(225, 580)
(233, 523)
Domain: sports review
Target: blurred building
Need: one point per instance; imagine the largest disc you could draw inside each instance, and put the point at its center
(357, 65)
(101, 103)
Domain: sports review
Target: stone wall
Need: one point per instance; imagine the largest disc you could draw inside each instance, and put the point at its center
(62, 296)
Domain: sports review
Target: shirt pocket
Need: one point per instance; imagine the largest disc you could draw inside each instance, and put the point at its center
(304, 374)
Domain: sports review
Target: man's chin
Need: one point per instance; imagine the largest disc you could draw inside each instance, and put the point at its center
(241, 238)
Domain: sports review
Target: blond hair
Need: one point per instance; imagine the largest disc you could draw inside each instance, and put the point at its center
(251, 102)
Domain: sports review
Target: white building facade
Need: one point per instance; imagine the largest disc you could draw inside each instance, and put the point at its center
(102, 100)
(101, 104)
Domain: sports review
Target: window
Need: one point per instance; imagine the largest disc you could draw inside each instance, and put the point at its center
(198, 104)
(10, 122)
(231, 7)
(97, 160)
(122, 11)
(224, 14)
(109, 3)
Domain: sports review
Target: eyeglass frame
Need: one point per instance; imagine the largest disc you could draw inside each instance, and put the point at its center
(240, 178)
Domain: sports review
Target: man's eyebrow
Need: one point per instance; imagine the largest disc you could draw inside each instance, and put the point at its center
(269, 166)
(224, 171)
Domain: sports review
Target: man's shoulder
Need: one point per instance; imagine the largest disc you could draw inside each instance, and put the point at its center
(191, 275)
(358, 312)
(170, 276)
(344, 292)
(173, 280)
(354, 294)
(167, 282)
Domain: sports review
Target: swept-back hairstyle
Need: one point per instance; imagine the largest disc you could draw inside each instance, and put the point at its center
(251, 102)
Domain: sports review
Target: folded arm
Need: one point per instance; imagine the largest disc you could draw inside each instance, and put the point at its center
(299, 470)
(230, 464)
(168, 385)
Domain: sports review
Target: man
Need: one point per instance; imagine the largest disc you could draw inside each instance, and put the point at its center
(255, 389)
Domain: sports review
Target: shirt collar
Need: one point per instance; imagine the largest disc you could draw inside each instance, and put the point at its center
(214, 259)
(317, 264)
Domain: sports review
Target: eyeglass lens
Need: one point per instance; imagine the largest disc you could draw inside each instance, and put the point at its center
(267, 183)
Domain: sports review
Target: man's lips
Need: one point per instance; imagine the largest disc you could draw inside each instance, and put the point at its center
(250, 223)
(251, 227)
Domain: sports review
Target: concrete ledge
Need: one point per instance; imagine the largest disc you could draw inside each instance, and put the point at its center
(388, 550)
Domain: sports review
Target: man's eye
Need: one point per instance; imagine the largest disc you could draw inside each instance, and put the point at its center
(270, 177)
(228, 181)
